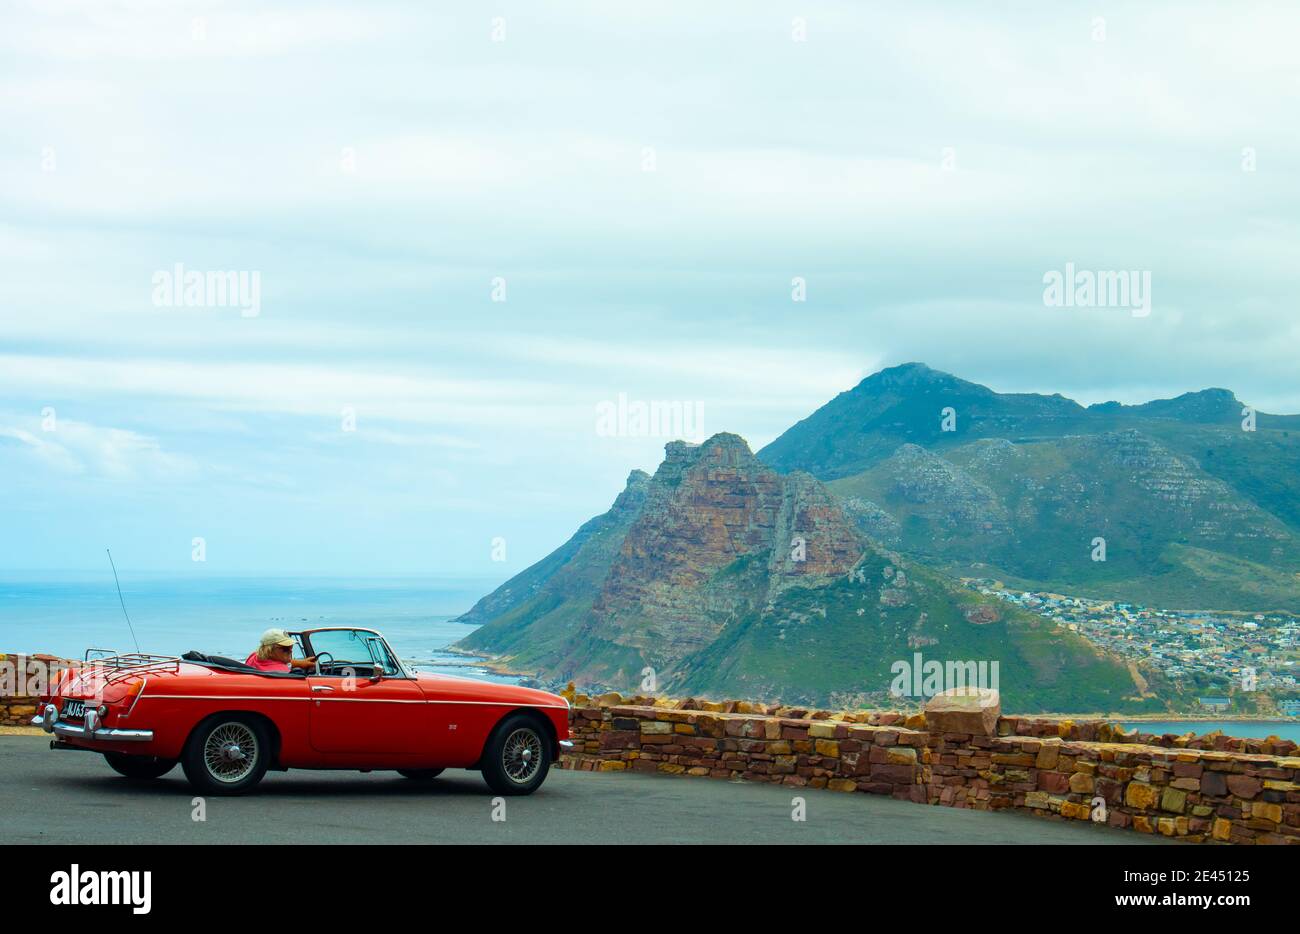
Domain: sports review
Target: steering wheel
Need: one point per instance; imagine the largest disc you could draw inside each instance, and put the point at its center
(319, 664)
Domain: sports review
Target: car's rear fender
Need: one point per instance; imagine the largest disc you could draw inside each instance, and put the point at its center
(272, 729)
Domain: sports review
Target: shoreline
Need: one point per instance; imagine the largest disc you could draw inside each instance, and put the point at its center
(491, 663)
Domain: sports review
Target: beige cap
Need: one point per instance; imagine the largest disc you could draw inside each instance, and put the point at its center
(277, 637)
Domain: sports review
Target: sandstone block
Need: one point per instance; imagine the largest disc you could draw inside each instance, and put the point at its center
(1214, 783)
(964, 710)
(827, 747)
(1140, 795)
(1269, 812)
(1039, 800)
(1057, 782)
(1173, 800)
(1244, 786)
(900, 755)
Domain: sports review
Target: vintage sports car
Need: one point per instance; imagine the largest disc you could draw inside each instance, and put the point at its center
(361, 708)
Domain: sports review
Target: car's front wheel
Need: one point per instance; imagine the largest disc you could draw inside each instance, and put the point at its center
(139, 766)
(517, 757)
(227, 755)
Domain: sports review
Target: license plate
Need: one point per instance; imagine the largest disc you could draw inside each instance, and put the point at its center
(74, 710)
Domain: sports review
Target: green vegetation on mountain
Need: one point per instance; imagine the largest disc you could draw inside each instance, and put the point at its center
(838, 644)
(1196, 512)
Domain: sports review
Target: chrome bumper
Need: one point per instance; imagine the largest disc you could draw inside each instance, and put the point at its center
(567, 745)
(48, 720)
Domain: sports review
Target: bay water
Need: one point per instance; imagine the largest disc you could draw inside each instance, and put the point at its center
(64, 616)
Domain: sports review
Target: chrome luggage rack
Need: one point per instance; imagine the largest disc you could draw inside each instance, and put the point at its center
(127, 664)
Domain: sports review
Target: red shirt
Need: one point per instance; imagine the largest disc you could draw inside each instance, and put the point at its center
(268, 664)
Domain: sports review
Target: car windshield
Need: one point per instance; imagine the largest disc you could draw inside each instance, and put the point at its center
(354, 647)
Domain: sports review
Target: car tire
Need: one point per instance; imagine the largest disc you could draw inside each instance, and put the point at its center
(227, 754)
(517, 756)
(420, 775)
(141, 767)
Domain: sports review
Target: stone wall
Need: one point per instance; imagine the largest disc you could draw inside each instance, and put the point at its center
(22, 678)
(1243, 792)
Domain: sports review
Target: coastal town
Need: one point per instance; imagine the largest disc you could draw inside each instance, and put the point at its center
(1207, 661)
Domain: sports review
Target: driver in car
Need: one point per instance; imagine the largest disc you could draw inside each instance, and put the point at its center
(275, 653)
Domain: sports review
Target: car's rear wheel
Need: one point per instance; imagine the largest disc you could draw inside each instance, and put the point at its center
(517, 757)
(143, 767)
(419, 775)
(227, 755)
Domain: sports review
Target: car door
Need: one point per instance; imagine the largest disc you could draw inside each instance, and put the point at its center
(358, 715)
(351, 713)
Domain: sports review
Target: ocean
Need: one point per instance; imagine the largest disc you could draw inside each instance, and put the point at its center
(225, 616)
(1247, 729)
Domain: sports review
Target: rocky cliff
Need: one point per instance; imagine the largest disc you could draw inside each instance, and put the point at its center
(719, 574)
(715, 533)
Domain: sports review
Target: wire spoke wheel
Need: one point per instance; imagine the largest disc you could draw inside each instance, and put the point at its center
(521, 755)
(230, 752)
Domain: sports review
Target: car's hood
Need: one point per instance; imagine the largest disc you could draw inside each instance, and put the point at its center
(447, 687)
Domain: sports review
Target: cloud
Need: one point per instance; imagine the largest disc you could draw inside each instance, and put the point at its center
(47, 452)
(114, 454)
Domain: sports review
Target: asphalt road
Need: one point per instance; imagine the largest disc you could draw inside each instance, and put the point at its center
(74, 797)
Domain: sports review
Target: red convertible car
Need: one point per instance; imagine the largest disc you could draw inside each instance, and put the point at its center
(361, 708)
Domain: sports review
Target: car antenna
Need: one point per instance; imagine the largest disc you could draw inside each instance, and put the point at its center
(121, 601)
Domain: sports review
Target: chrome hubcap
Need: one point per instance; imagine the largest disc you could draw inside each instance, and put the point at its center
(522, 755)
(230, 752)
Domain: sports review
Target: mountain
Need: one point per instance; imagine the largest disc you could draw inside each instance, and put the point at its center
(904, 405)
(729, 578)
(1196, 512)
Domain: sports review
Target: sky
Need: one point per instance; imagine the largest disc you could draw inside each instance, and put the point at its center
(472, 227)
